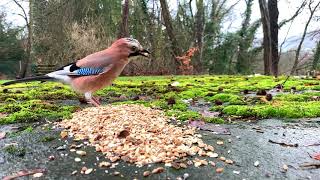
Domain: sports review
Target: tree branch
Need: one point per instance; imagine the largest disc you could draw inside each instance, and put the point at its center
(299, 10)
(312, 11)
(24, 12)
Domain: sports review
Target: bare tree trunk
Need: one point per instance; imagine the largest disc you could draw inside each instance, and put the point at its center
(312, 11)
(124, 30)
(267, 55)
(199, 31)
(24, 67)
(274, 28)
(316, 57)
(170, 31)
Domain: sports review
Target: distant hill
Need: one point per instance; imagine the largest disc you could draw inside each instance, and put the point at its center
(293, 42)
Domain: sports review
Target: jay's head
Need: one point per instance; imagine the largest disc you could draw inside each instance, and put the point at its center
(131, 47)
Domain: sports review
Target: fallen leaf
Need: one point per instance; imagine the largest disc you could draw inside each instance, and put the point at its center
(24, 173)
(64, 134)
(316, 156)
(2, 135)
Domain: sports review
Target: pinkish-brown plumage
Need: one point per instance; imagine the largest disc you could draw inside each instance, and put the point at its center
(96, 70)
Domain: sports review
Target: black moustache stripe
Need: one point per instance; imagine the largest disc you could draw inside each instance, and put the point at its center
(134, 54)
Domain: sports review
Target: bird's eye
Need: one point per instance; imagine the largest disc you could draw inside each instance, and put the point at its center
(134, 48)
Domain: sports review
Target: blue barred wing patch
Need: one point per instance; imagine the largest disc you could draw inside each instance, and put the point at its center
(86, 71)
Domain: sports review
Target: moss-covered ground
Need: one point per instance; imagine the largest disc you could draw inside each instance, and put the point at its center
(233, 97)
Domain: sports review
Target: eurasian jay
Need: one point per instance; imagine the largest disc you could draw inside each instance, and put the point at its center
(96, 70)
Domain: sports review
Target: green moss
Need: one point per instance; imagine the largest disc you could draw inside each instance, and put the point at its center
(48, 139)
(29, 102)
(230, 98)
(215, 120)
(34, 110)
(15, 150)
(285, 110)
(184, 115)
(292, 97)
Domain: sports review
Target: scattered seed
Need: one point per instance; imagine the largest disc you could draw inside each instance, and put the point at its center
(72, 150)
(220, 142)
(81, 153)
(219, 170)
(61, 148)
(146, 173)
(236, 172)
(74, 172)
(197, 164)
(104, 164)
(256, 164)
(186, 175)
(114, 158)
(285, 167)
(51, 158)
(88, 171)
(213, 155)
(137, 125)
(183, 165)
(116, 173)
(176, 165)
(228, 161)
(222, 158)
(158, 170)
(212, 163)
(189, 163)
(37, 175)
(83, 169)
(210, 148)
(77, 159)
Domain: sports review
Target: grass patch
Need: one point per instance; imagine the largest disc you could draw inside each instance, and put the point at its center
(15, 150)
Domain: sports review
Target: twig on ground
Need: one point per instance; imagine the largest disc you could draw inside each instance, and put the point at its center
(283, 144)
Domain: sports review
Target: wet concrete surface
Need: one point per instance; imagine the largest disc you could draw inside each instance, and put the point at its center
(248, 143)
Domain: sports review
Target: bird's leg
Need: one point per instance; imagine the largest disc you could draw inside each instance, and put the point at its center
(96, 100)
(91, 99)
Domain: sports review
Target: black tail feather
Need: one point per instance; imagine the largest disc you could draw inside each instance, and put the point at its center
(37, 78)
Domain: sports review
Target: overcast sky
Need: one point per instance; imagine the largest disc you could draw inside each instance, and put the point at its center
(287, 9)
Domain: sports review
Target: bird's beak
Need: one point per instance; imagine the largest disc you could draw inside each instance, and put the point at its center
(144, 53)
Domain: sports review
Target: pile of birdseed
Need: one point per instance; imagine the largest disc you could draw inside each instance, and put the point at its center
(137, 134)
